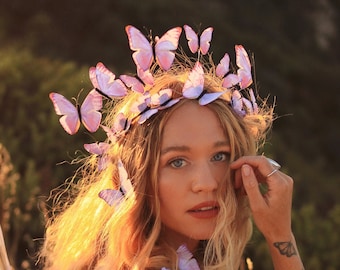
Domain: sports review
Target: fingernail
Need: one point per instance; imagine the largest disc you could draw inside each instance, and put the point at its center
(245, 170)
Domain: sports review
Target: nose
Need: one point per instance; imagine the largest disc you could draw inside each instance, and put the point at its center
(204, 179)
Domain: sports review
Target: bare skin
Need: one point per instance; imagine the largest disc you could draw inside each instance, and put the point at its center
(271, 210)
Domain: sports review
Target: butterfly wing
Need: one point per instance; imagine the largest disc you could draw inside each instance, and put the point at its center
(90, 115)
(143, 53)
(145, 76)
(209, 97)
(186, 260)
(193, 87)
(165, 46)
(100, 76)
(237, 103)
(244, 71)
(253, 101)
(98, 149)
(230, 80)
(132, 83)
(146, 115)
(70, 117)
(205, 40)
(192, 38)
(111, 196)
(121, 123)
(223, 66)
(125, 183)
(286, 248)
(104, 81)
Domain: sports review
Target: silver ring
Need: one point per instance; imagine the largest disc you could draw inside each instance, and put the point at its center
(275, 165)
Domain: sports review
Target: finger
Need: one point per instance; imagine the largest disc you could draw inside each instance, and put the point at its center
(237, 179)
(261, 165)
(251, 187)
(238, 184)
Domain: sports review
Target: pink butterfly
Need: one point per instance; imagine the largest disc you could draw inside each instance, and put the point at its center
(196, 43)
(113, 196)
(186, 260)
(237, 103)
(222, 70)
(104, 82)
(120, 125)
(98, 149)
(194, 87)
(144, 108)
(165, 46)
(244, 71)
(163, 99)
(88, 113)
(251, 104)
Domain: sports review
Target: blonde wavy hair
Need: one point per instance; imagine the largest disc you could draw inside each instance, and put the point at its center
(86, 233)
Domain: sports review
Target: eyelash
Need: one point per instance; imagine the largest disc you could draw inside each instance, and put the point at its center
(226, 156)
(172, 162)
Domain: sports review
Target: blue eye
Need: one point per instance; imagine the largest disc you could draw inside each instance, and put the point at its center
(177, 163)
(221, 156)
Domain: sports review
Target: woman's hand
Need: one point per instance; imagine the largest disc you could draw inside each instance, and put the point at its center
(271, 208)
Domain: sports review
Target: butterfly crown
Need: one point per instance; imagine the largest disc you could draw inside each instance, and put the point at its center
(146, 54)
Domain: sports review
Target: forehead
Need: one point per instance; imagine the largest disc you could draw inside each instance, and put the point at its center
(190, 123)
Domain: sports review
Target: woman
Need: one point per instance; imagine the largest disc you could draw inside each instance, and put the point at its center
(178, 174)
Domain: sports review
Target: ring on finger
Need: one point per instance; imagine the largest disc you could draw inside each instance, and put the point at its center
(275, 165)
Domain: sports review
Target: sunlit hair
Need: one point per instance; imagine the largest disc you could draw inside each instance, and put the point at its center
(89, 234)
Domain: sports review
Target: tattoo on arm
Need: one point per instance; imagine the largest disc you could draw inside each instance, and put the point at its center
(286, 248)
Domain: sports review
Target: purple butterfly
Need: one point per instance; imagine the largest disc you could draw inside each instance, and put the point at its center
(163, 99)
(244, 71)
(185, 260)
(195, 43)
(113, 196)
(120, 125)
(237, 103)
(251, 104)
(143, 107)
(164, 48)
(71, 116)
(194, 87)
(222, 70)
(137, 83)
(98, 149)
(105, 83)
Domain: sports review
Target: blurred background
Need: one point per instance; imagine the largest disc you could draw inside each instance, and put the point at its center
(49, 45)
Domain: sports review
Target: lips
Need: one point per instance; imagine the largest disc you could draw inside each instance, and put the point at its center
(205, 210)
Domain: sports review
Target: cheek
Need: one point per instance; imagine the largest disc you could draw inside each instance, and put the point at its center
(167, 190)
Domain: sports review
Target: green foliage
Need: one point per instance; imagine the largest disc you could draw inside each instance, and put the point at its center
(32, 134)
(318, 236)
(49, 45)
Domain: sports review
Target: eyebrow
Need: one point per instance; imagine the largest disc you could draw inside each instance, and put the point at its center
(183, 148)
(180, 148)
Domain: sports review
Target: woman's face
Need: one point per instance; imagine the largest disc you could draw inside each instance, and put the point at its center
(194, 160)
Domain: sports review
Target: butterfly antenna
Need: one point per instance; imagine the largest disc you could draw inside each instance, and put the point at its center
(252, 63)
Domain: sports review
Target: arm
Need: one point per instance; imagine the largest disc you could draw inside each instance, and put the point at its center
(271, 210)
